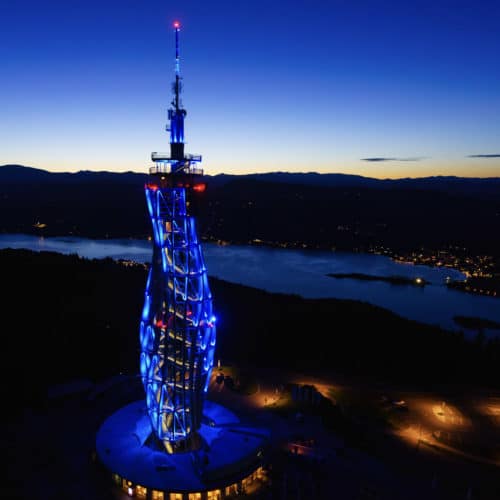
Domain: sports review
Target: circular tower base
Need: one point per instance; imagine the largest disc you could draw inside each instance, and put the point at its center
(228, 462)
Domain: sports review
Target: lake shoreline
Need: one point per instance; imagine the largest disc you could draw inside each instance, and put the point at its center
(303, 273)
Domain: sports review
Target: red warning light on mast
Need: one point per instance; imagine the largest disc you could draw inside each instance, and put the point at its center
(177, 25)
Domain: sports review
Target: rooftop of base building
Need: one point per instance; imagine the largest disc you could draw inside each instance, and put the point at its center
(229, 451)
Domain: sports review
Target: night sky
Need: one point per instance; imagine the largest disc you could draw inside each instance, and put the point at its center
(377, 88)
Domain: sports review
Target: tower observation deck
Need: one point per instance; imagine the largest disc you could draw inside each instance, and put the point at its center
(177, 329)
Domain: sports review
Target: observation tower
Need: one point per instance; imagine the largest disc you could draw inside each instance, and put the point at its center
(177, 330)
(174, 445)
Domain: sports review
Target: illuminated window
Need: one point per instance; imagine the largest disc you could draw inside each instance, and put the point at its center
(175, 496)
(195, 496)
(141, 491)
(214, 495)
(231, 490)
(245, 483)
(157, 495)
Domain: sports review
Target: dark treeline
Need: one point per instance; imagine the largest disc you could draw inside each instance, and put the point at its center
(66, 317)
(352, 218)
(346, 212)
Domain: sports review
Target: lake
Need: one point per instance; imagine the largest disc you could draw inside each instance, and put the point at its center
(302, 272)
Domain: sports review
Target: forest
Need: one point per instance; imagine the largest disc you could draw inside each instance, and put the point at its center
(66, 317)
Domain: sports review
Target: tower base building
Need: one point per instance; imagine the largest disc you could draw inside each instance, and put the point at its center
(228, 463)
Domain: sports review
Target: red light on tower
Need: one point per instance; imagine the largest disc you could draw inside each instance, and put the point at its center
(199, 188)
(177, 25)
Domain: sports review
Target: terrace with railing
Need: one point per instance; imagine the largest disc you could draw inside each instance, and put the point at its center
(166, 157)
(167, 168)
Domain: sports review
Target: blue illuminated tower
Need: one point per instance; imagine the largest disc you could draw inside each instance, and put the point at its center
(224, 456)
(177, 330)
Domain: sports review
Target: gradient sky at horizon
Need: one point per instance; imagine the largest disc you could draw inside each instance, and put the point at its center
(303, 85)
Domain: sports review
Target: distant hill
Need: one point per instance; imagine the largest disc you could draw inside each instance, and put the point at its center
(451, 184)
(19, 173)
(317, 210)
(458, 185)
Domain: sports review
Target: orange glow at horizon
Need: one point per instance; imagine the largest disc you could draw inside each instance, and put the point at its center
(377, 170)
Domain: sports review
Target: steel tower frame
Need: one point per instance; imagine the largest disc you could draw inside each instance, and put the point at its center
(177, 329)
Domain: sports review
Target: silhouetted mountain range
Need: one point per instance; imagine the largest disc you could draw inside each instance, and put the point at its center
(20, 173)
(453, 185)
(457, 185)
(318, 210)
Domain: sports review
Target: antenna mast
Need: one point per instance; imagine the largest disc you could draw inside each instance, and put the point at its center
(177, 88)
(176, 114)
(177, 161)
